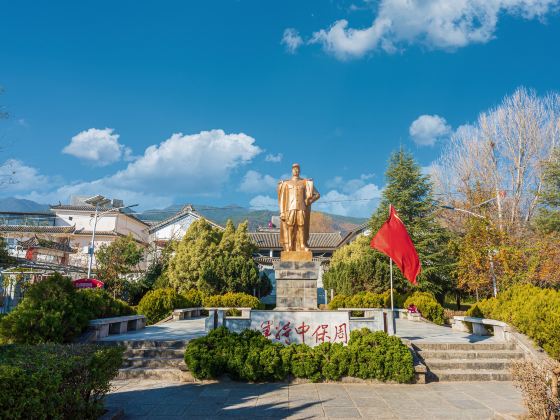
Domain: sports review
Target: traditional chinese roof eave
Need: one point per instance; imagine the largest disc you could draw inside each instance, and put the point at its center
(91, 209)
(185, 211)
(38, 229)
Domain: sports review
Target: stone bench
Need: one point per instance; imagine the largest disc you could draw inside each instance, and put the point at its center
(478, 326)
(117, 325)
(180, 314)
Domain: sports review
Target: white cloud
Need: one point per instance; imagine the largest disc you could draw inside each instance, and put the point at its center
(15, 177)
(274, 158)
(352, 197)
(427, 129)
(441, 24)
(98, 147)
(357, 199)
(264, 202)
(292, 40)
(197, 164)
(255, 182)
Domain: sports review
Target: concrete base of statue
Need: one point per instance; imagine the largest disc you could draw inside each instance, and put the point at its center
(296, 256)
(296, 284)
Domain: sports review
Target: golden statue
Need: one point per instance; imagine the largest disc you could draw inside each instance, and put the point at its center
(295, 197)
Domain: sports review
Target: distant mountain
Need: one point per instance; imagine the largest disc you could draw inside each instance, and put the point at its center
(12, 204)
(320, 222)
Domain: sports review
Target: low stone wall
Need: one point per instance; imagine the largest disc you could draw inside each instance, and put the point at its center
(311, 327)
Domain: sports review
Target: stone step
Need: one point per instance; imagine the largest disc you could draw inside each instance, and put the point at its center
(165, 374)
(148, 362)
(154, 352)
(470, 375)
(469, 364)
(470, 354)
(464, 346)
(137, 344)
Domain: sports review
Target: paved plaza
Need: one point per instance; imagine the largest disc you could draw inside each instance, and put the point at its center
(167, 331)
(192, 328)
(458, 400)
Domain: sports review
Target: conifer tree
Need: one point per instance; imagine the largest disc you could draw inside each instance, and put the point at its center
(548, 217)
(410, 192)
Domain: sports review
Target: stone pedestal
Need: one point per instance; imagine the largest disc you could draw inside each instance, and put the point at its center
(296, 284)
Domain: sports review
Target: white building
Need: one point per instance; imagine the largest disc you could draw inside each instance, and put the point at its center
(175, 227)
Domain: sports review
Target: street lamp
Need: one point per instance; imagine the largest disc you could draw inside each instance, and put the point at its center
(98, 201)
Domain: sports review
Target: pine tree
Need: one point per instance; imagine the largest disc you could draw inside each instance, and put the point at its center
(548, 217)
(410, 192)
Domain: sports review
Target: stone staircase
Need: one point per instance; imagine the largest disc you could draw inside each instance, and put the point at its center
(155, 360)
(468, 361)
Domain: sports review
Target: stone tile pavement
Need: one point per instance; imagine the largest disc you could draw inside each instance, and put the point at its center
(177, 400)
(167, 331)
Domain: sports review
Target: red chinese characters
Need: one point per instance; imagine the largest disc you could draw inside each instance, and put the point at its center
(302, 330)
(284, 331)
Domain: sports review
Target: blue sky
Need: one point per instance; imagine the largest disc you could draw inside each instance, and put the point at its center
(211, 102)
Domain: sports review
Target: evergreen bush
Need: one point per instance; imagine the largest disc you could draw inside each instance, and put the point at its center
(53, 381)
(368, 300)
(232, 300)
(54, 311)
(252, 357)
(532, 310)
(160, 303)
(428, 306)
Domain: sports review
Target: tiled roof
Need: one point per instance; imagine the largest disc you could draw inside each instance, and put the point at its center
(36, 242)
(37, 229)
(92, 209)
(97, 232)
(317, 240)
(188, 209)
(79, 208)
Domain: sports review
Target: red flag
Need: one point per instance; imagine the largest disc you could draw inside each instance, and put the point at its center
(393, 240)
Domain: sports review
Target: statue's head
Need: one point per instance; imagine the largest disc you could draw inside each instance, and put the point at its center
(295, 169)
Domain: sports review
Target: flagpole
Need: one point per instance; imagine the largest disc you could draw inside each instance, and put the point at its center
(391, 271)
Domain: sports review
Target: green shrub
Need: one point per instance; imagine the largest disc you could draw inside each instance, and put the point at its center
(252, 357)
(368, 300)
(55, 381)
(532, 310)
(50, 312)
(193, 298)
(428, 306)
(100, 304)
(54, 311)
(160, 303)
(376, 355)
(228, 300)
(339, 301)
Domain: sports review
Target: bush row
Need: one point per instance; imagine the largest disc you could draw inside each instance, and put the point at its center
(160, 303)
(425, 302)
(250, 356)
(532, 310)
(53, 381)
(367, 300)
(54, 311)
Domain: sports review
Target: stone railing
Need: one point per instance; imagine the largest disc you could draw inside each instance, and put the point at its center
(103, 327)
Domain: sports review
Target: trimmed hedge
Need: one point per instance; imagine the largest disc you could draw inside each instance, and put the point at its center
(53, 381)
(230, 299)
(252, 357)
(367, 300)
(54, 311)
(532, 310)
(428, 306)
(160, 303)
